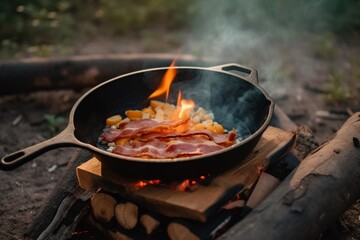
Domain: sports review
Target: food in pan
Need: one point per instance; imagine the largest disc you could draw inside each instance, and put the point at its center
(164, 131)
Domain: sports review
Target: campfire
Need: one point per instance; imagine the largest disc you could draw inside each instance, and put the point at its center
(197, 208)
(201, 207)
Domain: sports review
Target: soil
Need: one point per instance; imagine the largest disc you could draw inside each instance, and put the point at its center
(24, 190)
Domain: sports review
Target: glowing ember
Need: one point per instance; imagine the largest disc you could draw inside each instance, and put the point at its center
(142, 183)
(184, 185)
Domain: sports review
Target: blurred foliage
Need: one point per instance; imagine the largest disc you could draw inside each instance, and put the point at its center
(324, 47)
(54, 122)
(343, 87)
(337, 89)
(43, 23)
(46, 27)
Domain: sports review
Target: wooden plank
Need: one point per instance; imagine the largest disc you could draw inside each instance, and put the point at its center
(202, 201)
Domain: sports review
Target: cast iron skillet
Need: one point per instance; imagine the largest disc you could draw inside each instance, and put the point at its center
(237, 101)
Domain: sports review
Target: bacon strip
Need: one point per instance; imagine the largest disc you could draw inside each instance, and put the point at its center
(222, 139)
(168, 149)
(151, 139)
(136, 128)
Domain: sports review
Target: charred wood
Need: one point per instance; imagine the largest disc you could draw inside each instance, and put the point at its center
(64, 207)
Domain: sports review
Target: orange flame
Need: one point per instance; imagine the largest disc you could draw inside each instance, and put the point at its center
(186, 107)
(165, 83)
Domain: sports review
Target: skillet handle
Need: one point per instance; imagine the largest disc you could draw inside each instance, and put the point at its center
(18, 158)
(246, 73)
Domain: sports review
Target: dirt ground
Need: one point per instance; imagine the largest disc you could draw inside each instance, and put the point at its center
(24, 190)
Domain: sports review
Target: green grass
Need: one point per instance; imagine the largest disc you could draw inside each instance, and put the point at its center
(343, 87)
(54, 122)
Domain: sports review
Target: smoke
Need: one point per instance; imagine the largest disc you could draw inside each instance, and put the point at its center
(270, 36)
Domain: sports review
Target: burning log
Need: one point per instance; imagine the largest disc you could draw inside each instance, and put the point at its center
(324, 185)
(231, 214)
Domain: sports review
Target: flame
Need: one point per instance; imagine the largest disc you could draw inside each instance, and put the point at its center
(185, 108)
(165, 83)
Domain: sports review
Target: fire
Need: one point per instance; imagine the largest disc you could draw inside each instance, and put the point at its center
(165, 82)
(142, 183)
(186, 185)
(184, 106)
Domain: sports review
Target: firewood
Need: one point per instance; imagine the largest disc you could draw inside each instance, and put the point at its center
(186, 229)
(126, 215)
(66, 204)
(265, 185)
(150, 223)
(102, 206)
(114, 235)
(313, 196)
(178, 231)
(282, 120)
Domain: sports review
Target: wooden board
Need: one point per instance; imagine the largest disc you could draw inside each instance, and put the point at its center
(202, 201)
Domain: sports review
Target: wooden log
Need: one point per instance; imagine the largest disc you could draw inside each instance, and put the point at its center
(79, 72)
(281, 120)
(127, 215)
(185, 229)
(151, 222)
(264, 186)
(103, 207)
(106, 232)
(313, 196)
